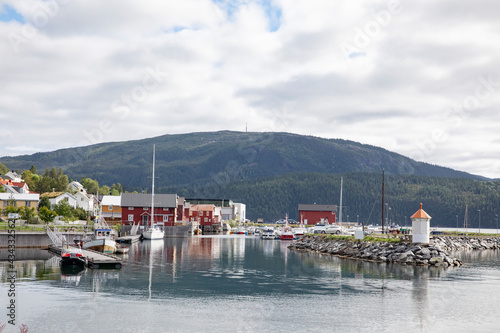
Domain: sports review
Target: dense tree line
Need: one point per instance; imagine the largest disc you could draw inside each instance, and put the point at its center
(442, 198)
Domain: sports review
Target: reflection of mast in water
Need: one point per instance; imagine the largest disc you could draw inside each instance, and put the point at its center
(154, 246)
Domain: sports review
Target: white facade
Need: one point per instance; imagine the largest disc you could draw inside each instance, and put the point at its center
(72, 201)
(86, 202)
(76, 187)
(421, 226)
(240, 212)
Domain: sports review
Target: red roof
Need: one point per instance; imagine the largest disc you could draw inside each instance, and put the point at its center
(420, 214)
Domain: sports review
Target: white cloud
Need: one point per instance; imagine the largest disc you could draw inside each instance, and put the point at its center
(276, 65)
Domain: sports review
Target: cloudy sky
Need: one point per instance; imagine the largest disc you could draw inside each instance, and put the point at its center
(421, 78)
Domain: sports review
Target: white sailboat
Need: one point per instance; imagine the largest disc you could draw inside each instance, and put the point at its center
(154, 231)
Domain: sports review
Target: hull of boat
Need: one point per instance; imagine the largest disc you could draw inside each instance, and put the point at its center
(153, 234)
(287, 237)
(72, 262)
(101, 245)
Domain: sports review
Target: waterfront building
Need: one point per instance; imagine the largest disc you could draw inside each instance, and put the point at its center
(111, 208)
(312, 214)
(136, 209)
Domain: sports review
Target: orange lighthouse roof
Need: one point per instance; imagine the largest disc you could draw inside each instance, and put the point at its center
(420, 214)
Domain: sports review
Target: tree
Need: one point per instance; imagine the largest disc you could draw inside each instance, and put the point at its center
(33, 170)
(92, 186)
(79, 213)
(62, 208)
(3, 169)
(27, 213)
(46, 215)
(44, 202)
(105, 190)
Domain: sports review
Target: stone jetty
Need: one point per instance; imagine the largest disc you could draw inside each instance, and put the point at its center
(399, 253)
(467, 243)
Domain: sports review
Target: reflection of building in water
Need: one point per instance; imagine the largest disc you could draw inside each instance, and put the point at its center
(31, 269)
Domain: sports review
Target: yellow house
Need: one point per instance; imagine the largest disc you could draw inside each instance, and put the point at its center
(21, 199)
(111, 208)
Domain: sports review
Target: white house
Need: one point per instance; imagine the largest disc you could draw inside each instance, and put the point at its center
(86, 202)
(14, 176)
(75, 186)
(72, 201)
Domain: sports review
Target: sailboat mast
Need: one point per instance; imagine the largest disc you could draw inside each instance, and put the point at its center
(340, 211)
(383, 193)
(153, 189)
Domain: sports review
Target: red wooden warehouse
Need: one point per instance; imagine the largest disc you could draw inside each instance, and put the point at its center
(312, 214)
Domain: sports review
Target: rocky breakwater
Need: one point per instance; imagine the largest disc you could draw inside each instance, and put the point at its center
(466, 243)
(388, 252)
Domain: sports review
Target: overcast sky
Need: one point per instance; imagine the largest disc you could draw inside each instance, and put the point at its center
(420, 78)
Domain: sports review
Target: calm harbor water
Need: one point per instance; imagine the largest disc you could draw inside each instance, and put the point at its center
(244, 284)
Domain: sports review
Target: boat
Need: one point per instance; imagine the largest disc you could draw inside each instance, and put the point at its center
(268, 233)
(122, 249)
(241, 231)
(154, 231)
(299, 232)
(72, 257)
(287, 234)
(102, 241)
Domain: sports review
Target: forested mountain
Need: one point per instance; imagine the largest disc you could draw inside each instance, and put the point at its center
(273, 172)
(187, 159)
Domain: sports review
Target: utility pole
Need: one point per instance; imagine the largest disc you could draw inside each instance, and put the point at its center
(479, 210)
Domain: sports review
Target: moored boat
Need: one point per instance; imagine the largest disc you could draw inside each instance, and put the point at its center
(102, 241)
(72, 257)
(287, 234)
(268, 233)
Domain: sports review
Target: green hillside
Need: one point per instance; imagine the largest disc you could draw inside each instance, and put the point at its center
(187, 159)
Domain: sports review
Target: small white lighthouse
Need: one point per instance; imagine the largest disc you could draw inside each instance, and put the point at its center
(421, 226)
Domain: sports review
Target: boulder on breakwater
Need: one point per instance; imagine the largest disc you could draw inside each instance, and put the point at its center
(398, 253)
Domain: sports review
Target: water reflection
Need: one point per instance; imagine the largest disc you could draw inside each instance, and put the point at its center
(229, 265)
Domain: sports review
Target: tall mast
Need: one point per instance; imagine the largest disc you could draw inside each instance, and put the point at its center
(153, 189)
(340, 211)
(383, 192)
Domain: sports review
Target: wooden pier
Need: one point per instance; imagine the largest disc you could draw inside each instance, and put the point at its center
(95, 259)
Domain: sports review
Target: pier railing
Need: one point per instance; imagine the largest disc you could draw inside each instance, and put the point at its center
(55, 236)
(133, 231)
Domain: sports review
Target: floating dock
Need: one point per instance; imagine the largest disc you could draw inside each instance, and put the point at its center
(95, 259)
(128, 239)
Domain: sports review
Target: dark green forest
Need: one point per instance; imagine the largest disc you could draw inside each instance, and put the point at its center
(445, 199)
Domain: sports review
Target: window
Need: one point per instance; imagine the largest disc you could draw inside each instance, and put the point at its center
(27, 203)
(110, 207)
(131, 217)
(131, 208)
(206, 219)
(145, 208)
(165, 218)
(164, 208)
